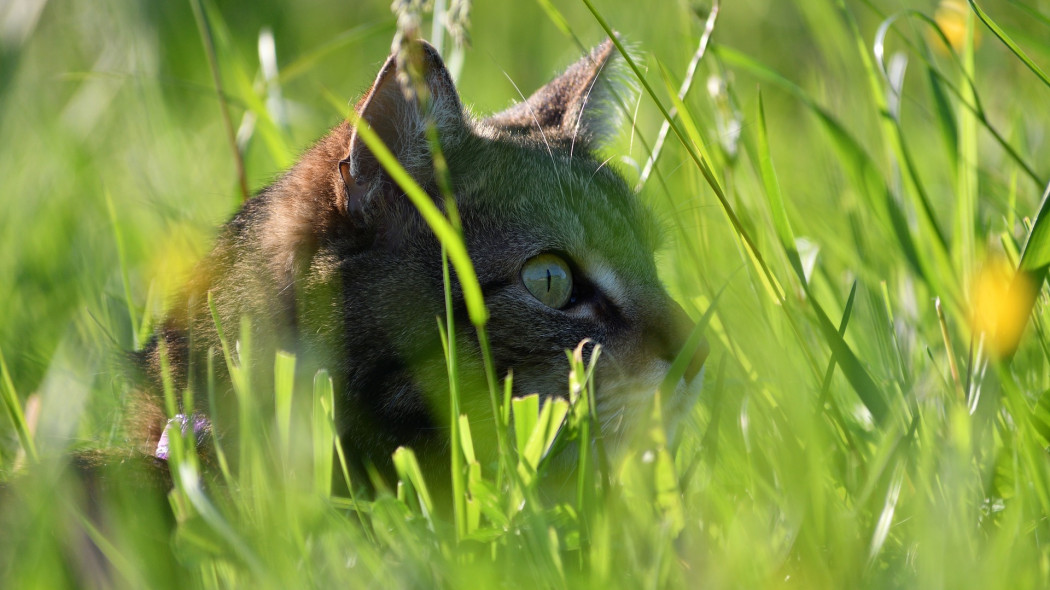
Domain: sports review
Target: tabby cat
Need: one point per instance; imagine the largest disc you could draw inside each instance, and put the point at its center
(334, 263)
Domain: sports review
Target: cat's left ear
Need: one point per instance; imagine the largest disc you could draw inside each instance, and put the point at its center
(408, 96)
(582, 105)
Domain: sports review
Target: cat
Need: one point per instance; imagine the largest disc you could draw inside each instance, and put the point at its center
(334, 263)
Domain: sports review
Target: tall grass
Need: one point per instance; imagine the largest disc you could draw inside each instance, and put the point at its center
(855, 195)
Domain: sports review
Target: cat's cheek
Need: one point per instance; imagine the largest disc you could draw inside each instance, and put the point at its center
(626, 395)
(676, 410)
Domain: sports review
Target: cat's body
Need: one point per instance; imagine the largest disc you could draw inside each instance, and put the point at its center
(334, 263)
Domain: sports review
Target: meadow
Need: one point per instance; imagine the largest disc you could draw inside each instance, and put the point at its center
(853, 192)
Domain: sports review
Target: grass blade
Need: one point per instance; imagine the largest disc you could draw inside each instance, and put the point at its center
(1017, 51)
(205, 31)
(699, 160)
(441, 226)
(773, 194)
(323, 433)
(14, 410)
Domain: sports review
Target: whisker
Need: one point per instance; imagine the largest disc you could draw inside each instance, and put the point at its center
(535, 119)
(600, 166)
(583, 109)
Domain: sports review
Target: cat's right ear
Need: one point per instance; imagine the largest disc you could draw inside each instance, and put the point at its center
(582, 105)
(400, 119)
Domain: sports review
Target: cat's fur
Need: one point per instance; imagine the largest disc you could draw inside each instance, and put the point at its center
(334, 263)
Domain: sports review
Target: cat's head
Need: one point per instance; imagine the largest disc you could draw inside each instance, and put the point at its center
(563, 249)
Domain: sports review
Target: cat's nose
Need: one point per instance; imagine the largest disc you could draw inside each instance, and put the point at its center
(673, 333)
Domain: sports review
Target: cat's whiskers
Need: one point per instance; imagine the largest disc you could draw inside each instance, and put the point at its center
(536, 120)
(613, 420)
(610, 361)
(612, 429)
(598, 169)
(290, 284)
(583, 109)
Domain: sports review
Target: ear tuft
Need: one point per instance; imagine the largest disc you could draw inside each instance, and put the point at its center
(584, 105)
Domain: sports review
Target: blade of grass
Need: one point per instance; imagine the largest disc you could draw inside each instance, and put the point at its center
(441, 226)
(1035, 256)
(249, 94)
(965, 93)
(769, 282)
(905, 376)
(304, 63)
(211, 515)
(216, 441)
(408, 470)
(1032, 269)
(692, 343)
(322, 433)
(683, 91)
(950, 352)
(582, 412)
(963, 136)
(122, 261)
(448, 343)
(825, 387)
(559, 21)
(452, 240)
(1013, 47)
(966, 172)
(933, 251)
(870, 394)
(14, 410)
(204, 29)
(128, 570)
(355, 504)
(283, 390)
(700, 162)
(865, 175)
(776, 199)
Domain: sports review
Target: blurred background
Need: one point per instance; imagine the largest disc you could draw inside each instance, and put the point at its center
(116, 168)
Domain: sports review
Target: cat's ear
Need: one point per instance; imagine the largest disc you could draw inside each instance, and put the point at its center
(582, 105)
(407, 96)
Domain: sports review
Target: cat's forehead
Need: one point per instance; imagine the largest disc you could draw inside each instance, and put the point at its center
(566, 199)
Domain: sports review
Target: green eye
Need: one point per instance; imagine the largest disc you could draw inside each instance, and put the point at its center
(549, 279)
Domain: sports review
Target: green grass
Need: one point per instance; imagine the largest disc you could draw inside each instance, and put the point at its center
(869, 416)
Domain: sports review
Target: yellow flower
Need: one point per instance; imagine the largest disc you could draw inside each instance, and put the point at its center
(951, 18)
(1002, 299)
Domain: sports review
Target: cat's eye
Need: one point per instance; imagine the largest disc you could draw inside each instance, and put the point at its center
(549, 279)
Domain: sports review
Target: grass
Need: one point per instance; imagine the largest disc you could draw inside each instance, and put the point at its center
(850, 199)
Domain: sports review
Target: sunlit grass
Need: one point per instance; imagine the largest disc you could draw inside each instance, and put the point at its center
(833, 172)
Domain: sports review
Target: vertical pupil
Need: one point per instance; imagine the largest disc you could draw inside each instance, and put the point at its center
(548, 279)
